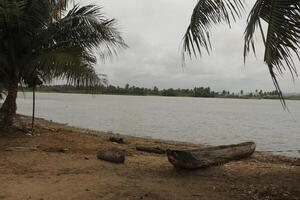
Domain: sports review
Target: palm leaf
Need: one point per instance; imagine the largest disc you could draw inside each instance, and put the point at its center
(88, 27)
(40, 48)
(66, 64)
(73, 41)
(282, 38)
(206, 14)
(65, 48)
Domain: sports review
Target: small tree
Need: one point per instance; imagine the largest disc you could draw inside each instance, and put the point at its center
(224, 92)
(37, 42)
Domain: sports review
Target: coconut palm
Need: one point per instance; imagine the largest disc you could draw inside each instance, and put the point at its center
(281, 39)
(37, 46)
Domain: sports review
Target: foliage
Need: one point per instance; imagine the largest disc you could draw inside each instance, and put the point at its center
(33, 44)
(155, 91)
(39, 43)
(205, 14)
(282, 38)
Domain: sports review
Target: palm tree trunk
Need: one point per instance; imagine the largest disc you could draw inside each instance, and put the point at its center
(9, 107)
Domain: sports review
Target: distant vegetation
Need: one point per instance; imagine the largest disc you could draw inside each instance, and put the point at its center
(155, 91)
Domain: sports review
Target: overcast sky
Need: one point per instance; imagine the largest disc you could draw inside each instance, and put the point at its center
(153, 29)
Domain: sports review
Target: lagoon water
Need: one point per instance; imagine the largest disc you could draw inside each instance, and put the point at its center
(197, 120)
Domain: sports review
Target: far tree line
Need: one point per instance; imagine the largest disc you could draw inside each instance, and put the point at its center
(155, 91)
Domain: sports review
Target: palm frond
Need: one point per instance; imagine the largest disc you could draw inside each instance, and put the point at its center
(67, 45)
(33, 46)
(60, 62)
(282, 38)
(206, 14)
(19, 23)
(88, 27)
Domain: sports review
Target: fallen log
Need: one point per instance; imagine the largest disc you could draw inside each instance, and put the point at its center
(114, 155)
(206, 157)
(156, 150)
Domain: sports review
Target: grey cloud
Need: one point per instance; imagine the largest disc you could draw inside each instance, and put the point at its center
(154, 30)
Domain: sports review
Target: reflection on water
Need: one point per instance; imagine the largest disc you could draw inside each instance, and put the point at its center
(198, 120)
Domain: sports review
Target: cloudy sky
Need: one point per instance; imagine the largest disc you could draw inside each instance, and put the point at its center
(154, 30)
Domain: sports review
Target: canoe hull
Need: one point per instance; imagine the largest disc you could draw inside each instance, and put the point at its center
(206, 157)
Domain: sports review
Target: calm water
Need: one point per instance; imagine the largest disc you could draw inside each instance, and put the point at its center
(197, 120)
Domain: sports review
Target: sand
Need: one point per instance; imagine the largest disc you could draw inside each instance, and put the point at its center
(59, 162)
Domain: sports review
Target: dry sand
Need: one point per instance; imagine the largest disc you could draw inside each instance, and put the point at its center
(33, 167)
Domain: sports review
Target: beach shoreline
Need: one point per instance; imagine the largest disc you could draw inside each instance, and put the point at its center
(59, 162)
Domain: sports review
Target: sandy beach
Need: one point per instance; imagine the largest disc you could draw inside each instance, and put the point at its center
(59, 162)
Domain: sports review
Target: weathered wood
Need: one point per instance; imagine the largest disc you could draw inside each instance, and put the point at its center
(118, 140)
(114, 155)
(206, 157)
(156, 150)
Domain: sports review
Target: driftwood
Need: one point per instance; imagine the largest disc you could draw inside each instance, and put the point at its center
(118, 140)
(156, 150)
(206, 157)
(114, 155)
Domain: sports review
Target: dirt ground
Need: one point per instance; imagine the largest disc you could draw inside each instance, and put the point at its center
(59, 162)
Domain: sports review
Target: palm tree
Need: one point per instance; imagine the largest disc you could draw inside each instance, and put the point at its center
(37, 46)
(281, 39)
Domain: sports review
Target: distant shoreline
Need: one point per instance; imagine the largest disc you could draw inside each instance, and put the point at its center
(152, 95)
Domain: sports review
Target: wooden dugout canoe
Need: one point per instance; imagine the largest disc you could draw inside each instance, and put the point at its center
(206, 157)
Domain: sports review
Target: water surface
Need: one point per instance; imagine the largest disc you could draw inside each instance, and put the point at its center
(197, 120)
